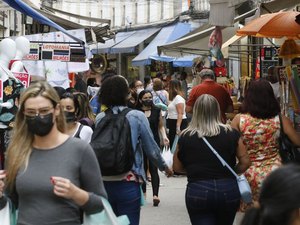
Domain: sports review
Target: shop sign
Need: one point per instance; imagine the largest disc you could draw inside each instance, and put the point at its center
(33, 53)
(56, 52)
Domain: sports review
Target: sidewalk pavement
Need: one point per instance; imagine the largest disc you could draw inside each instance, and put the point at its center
(171, 210)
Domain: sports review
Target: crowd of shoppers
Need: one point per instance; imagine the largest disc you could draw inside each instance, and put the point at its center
(49, 166)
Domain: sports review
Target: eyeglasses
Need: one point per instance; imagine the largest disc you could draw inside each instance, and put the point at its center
(37, 112)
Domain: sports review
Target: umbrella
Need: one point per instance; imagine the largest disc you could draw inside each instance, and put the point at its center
(273, 25)
(289, 49)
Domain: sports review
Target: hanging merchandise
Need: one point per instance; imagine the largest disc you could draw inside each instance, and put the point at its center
(214, 45)
(220, 71)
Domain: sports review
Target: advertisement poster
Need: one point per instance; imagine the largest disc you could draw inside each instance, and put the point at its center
(24, 78)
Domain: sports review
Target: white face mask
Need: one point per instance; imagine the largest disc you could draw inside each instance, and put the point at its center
(138, 91)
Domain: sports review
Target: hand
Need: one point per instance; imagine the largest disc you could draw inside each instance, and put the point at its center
(63, 187)
(2, 184)
(66, 189)
(169, 172)
(178, 131)
(166, 141)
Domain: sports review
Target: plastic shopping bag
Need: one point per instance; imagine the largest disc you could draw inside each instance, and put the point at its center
(167, 156)
(106, 217)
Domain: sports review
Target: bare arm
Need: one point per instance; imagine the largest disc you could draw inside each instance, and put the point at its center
(177, 165)
(235, 123)
(243, 158)
(162, 131)
(290, 131)
(179, 108)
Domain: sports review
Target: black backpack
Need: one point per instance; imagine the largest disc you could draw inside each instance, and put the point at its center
(112, 144)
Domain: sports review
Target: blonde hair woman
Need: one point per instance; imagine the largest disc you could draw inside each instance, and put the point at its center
(212, 195)
(50, 176)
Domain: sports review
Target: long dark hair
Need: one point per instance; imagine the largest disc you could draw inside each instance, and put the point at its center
(114, 91)
(142, 93)
(175, 89)
(279, 198)
(260, 101)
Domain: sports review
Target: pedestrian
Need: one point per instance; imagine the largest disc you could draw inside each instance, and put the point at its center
(50, 176)
(176, 117)
(124, 193)
(212, 195)
(155, 119)
(70, 106)
(80, 84)
(259, 126)
(278, 202)
(84, 112)
(208, 85)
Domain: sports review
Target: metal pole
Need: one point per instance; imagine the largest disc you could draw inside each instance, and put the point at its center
(15, 22)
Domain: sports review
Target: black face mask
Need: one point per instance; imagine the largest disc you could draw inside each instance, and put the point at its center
(147, 102)
(40, 126)
(70, 116)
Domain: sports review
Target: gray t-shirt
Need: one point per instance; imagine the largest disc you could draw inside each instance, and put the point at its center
(37, 204)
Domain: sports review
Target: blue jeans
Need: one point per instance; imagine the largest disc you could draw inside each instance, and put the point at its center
(212, 202)
(125, 199)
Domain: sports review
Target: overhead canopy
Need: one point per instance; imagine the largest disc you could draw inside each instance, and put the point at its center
(27, 10)
(197, 41)
(166, 35)
(129, 44)
(101, 48)
(277, 5)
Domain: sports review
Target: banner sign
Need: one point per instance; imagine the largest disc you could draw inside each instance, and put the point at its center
(23, 77)
(34, 52)
(56, 52)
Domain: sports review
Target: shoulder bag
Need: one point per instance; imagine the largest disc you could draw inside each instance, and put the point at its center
(242, 182)
(105, 217)
(288, 152)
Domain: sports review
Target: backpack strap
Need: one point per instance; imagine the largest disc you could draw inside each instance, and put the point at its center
(77, 135)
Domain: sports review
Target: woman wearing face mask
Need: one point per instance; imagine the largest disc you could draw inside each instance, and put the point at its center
(70, 105)
(50, 176)
(153, 113)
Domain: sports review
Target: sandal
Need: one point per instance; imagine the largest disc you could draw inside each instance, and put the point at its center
(156, 201)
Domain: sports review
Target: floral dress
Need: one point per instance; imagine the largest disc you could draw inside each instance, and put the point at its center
(261, 139)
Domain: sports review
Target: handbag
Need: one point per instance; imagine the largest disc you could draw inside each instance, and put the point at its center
(288, 152)
(242, 182)
(105, 217)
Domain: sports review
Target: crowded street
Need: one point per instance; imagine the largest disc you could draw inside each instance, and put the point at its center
(149, 112)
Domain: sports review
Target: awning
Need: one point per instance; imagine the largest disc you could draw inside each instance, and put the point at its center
(226, 45)
(101, 48)
(27, 10)
(277, 5)
(129, 44)
(166, 35)
(196, 43)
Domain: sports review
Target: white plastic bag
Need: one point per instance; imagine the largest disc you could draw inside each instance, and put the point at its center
(167, 156)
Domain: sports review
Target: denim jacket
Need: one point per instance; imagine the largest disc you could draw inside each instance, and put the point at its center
(142, 140)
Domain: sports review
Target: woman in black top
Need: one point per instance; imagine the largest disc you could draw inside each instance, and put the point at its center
(153, 113)
(212, 195)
